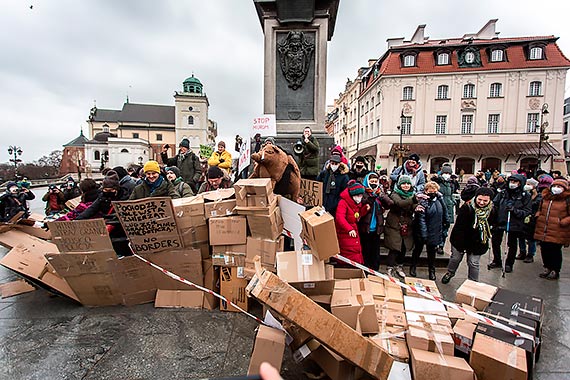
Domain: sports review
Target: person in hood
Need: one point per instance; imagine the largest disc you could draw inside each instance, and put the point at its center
(13, 201)
(499, 184)
(553, 227)
(527, 244)
(126, 182)
(182, 188)
(515, 203)
(358, 170)
(371, 225)
(335, 180)
(337, 149)
(186, 161)
(70, 189)
(154, 184)
(349, 212)
(89, 194)
(412, 167)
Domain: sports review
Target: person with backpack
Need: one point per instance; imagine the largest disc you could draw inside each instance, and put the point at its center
(412, 167)
(182, 188)
(186, 161)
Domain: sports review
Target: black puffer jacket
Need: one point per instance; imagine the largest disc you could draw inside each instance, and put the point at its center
(464, 236)
(432, 220)
(517, 202)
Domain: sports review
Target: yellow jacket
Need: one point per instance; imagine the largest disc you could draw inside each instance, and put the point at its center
(214, 160)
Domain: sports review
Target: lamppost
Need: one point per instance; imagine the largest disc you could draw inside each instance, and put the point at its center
(15, 151)
(542, 133)
(401, 150)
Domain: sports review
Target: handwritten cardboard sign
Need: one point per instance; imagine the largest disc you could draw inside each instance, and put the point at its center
(244, 155)
(264, 125)
(311, 192)
(149, 224)
(80, 235)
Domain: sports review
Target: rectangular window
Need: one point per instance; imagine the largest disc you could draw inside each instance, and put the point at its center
(159, 137)
(469, 91)
(440, 124)
(442, 92)
(466, 124)
(378, 127)
(493, 124)
(565, 130)
(135, 135)
(497, 55)
(406, 125)
(495, 90)
(532, 123)
(407, 93)
(409, 60)
(535, 88)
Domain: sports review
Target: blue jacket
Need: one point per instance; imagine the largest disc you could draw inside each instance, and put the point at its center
(331, 196)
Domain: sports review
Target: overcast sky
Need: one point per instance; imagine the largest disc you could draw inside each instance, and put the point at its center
(61, 55)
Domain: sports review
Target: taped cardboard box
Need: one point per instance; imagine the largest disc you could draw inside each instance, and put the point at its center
(457, 315)
(463, 333)
(429, 365)
(255, 188)
(179, 299)
(354, 308)
(348, 273)
(422, 310)
(430, 337)
(269, 346)
(393, 292)
(197, 238)
(266, 226)
(319, 230)
(263, 207)
(493, 359)
(325, 327)
(228, 259)
(212, 282)
(390, 317)
(528, 307)
(219, 203)
(476, 294)
(231, 230)
(377, 288)
(232, 287)
(266, 249)
(305, 273)
(395, 347)
(422, 284)
(189, 212)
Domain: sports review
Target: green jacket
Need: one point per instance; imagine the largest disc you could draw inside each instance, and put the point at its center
(165, 189)
(182, 188)
(309, 162)
(189, 165)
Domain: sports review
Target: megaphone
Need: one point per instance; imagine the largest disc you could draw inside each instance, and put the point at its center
(298, 147)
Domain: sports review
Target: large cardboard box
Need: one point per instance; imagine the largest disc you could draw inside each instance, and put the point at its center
(476, 294)
(320, 232)
(457, 315)
(527, 308)
(463, 333)
(232, 286)
(431, 366)
(229, 259)
(198, 238)
(212, 282)
(335, 366)
(229, 230)
(422, 284)
(266, 249)
(353, 303)
(266, 226)
(393, 292)
(186, 263)
(325, 327)
(253, 192)
(179, 299)
(189, 212)
(304, 272)
(394, 346)
(269, 347)
(428, 337)
(493, 359)
(420, 310)
(219, 203)
(348, 273)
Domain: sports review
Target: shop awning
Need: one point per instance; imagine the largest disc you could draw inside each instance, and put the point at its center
(369, 151)
(480, 149)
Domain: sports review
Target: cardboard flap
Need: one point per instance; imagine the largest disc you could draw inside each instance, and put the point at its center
(218, 195)
(179, 298)
(14, 288)
(81, 235)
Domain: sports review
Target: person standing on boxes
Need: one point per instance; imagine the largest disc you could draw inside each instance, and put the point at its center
(335, 180)
(553, 227)
(215, 180)
(221, 158)
(186, 161)
(398, 234)
(154, 184)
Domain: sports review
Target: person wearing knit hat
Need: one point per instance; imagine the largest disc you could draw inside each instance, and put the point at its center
(221, 158)
(215, 179)
(154, 184)
(553, 227)
(404, 179)
(182, 188)
(413, 168)
(544, 182)
(359, 170)
(335, 179)
(348, 213)
(126, 182)
(468, 192)
(186, 161)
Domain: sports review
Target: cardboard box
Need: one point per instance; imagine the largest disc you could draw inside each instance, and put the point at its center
(353, 303)
(81, 235)
(320, 232)
(189, 212)
(266, 226)
(422, 284)
(186, 263)
(197, 238)
(493, 359)
(431, 366)
(262, 208)
(228, 259)
(527, 307)
(395, 347)
(266, 249)
(255, 188)
(304, 272)
(325, 327)
(463, 333)
(179, 299)
(457, 315)
(229, 230)
(421, 310)
(212, 282)
(219, 203)
(428, 337)
(377, 287)
(393, 292)
(348, 273)
(335, 366)
(237, 248)
(232, 286)
(476, 294)
(269, 347)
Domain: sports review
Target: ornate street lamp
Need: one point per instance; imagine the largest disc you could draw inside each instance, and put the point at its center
(542, 133)
(15, 151)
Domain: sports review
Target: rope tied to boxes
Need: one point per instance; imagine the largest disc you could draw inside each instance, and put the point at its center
(452, 305)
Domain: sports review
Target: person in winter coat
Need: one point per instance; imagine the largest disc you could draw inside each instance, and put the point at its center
(55, 200)
(371, 225)
(13, 201)
(432, 222)
(181, 187)
(527, 244)
(126, 182)
(70, 189)
(499, 184)
(221, 158)
(516, 203)
(359, 170)
(470, 189)
(215, 180)
(186, 161)
(335, 180)
(398, 234)
(89, 193)
(309, 157)
(553, 227)
(412, 167)
(449, 192)
(337, 149)
(350, 210)
(154, 184)
(471, 234)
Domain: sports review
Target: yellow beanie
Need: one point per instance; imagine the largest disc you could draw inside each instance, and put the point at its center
(151, 166)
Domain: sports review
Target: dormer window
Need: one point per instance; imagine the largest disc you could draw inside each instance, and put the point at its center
(443, 59)
(497, 55)
(535, 53)
(409, 60)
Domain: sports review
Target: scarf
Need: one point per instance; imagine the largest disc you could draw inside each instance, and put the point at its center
(182, 157)
(331, 183)
(155, 185)
(481, 222)
(404, 194)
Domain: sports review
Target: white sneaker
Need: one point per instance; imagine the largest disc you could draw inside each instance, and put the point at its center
(400, 272)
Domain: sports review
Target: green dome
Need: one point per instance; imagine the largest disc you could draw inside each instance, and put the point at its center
(192, 80)
(193, 85)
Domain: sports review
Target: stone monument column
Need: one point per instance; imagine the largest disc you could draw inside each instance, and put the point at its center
(295, 62)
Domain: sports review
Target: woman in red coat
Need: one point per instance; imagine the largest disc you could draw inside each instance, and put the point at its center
(349, 211)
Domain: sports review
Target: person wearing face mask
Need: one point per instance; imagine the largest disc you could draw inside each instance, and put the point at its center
(154, 184)
(499, 184)
(182, 188)
(527, 244)
(553, 227)
(512, 205)
(449, 192)
(471, 234)
(335, 180)
(398, 230)
(371, 225)
(349, 212)
(359, 170)
(432, 220)
(412, 167)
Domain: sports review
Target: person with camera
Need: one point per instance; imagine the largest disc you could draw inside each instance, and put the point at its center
(308, 151)
(55, 200)
(13, 201)
(221, 158)
(186, 161)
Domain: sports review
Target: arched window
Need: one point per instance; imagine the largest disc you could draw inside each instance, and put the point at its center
(535, 88)
(96, 155)
(469, 91)
(443, 59)
(443, 91)
(409, 60)
(408, 93)
(535, 53)
(190, 120)
(495, 90)
(497, 55)
(106, 128)
(124, 150)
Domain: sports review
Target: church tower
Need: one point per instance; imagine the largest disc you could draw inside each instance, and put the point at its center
(191, 113)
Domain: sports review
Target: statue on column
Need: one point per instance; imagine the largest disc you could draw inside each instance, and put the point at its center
(295, 53)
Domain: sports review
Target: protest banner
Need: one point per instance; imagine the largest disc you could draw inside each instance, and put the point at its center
(149, 224)
(264, 125)
(80, 235)
(244, 154)
(311, 192)
(206, 151)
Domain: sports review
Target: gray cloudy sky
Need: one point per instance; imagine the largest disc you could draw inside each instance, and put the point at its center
(61, 55)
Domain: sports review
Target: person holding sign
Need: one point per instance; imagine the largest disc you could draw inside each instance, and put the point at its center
(308, 151)
(186, 161)
(154, 184)
(221, 158)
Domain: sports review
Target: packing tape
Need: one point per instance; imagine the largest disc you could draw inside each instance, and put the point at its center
(435, 298)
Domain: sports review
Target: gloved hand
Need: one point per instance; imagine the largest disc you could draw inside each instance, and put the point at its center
(422, 196)
(222, 160)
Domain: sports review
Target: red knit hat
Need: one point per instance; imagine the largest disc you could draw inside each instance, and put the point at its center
(355, 188)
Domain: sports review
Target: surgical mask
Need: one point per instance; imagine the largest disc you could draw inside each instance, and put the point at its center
(357, 199)
(334, 167)
(446, 176)
(373, 186)
(513, 185)
(556, 190)
(527, 187)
